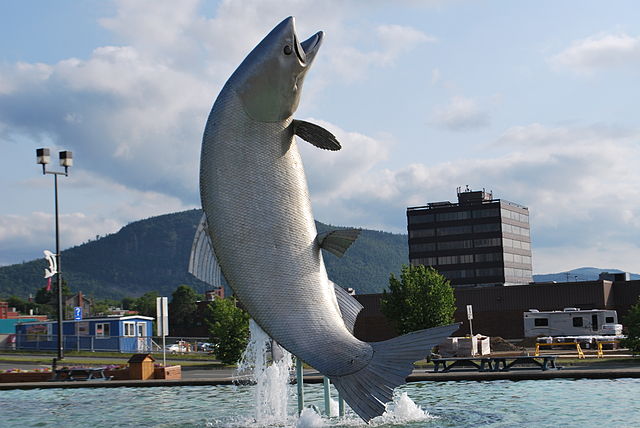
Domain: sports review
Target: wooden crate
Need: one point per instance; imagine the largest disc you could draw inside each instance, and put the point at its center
(169, 373)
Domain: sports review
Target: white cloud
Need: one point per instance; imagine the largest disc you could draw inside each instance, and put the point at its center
(391, 42)
(577, 182)
(25, 237)
(461, 114)
(600, 51)
(106, 207)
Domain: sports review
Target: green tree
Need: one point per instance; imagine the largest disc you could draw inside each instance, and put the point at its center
(183, 310)
(24, 307)
(146, 304)
(632, 323)
(45, 297)
(421, 298)
(228, 329)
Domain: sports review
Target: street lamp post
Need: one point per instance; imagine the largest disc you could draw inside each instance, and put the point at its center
(66, 160)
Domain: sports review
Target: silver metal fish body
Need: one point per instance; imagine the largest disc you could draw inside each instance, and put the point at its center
(254, 193)
(260, 225)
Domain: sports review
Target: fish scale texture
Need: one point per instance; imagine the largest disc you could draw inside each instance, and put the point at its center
(254, 193)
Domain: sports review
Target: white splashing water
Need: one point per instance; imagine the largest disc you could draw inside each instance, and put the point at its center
(309, 418)
(272, 391)
(403, 410)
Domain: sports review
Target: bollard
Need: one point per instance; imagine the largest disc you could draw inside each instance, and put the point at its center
(327, 396)
(299, 381)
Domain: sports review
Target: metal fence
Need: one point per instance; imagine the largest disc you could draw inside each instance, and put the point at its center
(124, 344)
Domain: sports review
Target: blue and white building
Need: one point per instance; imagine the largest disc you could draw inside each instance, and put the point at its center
(119, 333)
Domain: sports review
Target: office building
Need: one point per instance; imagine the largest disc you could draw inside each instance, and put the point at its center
(479, 241)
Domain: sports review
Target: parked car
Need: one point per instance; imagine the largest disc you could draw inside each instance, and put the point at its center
(178, 347)
(206, 347)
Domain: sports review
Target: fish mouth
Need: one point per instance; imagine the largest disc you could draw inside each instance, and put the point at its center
(305, 51)
(309, 47)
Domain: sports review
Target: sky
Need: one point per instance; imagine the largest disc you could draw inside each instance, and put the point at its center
(536, 101)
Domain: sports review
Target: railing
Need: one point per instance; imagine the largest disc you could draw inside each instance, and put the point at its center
(576, 344)
(125, 344)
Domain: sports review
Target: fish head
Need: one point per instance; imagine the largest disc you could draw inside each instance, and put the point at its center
(269, 80)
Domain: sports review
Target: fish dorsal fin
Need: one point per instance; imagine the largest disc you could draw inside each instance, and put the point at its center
(337, 241)
(202, 261)
(349, 306)
(316, 135)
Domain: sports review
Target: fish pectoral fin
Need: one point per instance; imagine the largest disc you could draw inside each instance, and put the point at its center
(316, 135)
(337, 241)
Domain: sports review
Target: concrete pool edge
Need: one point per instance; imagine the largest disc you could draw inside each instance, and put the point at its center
(416, 376)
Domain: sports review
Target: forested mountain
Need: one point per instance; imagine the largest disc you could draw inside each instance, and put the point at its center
(153, 254)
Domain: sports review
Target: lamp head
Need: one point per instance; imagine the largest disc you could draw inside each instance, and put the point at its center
(43, 156)
(66, 159)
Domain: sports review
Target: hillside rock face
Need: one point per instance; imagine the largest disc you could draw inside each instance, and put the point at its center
(153, 254)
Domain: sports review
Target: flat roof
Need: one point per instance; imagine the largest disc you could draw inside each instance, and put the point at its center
(447, 204)
(117, 318)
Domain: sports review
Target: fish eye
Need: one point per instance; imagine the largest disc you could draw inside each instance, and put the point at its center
(288, 50)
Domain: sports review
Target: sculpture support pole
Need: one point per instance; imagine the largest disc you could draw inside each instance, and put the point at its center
(299, 382)
(340, 406)
(327, 396)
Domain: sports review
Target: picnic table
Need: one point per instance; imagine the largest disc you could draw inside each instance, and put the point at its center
(79, 373)
(494, 364)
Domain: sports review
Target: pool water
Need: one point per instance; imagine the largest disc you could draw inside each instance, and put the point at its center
(550, 403)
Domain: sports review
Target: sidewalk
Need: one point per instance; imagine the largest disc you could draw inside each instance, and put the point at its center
(195, 376)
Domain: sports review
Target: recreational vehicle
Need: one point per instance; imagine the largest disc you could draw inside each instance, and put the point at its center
(571, 322)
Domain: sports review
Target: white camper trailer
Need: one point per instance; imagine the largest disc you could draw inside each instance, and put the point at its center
(571, 322)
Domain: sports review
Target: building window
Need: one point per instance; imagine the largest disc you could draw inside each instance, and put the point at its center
(426, 261)
(462, 215)
(522, 218)
(421, 233)
(493, 227)
(541, 322)
(430, 246)
(456, 274)
(454, 230)
(489, 242)
(418, 219)
(515, 230)
(103, 329)
(489, 272)
(129, 329)
(489, 257)
(453, 245)
(577, 321)
(452, 260)
(493, 212)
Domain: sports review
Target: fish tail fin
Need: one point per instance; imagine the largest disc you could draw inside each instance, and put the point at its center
(369, 389)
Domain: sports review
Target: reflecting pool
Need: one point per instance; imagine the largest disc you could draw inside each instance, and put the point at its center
(549, 403)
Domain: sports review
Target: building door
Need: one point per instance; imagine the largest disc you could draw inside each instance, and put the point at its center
(141, 333)
(594, 322)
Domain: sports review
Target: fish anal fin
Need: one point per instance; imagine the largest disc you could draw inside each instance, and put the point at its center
(337, 241)
(316, 135)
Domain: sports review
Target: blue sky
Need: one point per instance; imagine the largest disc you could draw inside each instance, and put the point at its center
(536, 101)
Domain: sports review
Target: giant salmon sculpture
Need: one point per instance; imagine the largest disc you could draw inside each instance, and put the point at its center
(258, 222)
